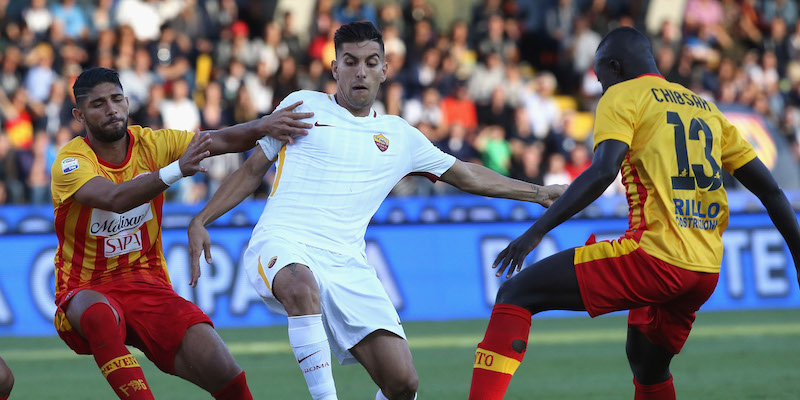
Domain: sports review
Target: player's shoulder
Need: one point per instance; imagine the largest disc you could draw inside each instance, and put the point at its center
(75, 147)
(394, 121)
(139, 132)
(75, 153)
(306, 96)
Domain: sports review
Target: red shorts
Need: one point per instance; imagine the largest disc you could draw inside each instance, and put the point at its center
(662, 298)
(152, 318)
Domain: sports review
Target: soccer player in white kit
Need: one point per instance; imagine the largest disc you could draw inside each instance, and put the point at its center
(306, 256)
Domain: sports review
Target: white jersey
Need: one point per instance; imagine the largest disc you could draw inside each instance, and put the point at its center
(329, 183)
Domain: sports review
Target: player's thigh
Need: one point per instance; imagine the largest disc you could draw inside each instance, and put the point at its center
(387, 358)
(82, 301)
(293, 281)
(548, 284)
(278, 269)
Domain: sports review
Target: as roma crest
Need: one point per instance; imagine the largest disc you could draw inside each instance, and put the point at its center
(272, 262)
(382, 142)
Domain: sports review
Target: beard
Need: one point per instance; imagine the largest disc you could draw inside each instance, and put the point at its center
(106, 133)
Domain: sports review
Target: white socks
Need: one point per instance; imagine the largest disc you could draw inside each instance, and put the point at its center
(310, 346)
(380, 396)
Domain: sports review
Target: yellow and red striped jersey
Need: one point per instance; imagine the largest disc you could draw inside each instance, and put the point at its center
(97, 246)
(678, 142)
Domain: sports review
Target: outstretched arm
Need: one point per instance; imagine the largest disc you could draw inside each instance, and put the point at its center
(282, 124)
(585, 189)
(477, 179)
(235, 188)
(100, 192)
(756, 178)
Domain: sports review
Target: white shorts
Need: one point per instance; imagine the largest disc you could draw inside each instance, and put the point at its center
(353, 301)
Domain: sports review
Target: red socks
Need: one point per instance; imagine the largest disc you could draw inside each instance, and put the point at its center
(235, 390)
(117, 364)
(500, 352)
(660, 391)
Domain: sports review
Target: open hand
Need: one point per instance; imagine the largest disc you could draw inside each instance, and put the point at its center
(196, 151)
(283, 124)
(514, 255)
(550, 193)
(199, 241)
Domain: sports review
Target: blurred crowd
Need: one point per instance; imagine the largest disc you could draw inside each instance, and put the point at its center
(505, 83)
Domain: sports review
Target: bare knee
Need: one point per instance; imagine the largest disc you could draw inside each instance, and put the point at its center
(649, 363)
(510, 293)
(505, 294)
(401, 386)
(204, 360)
(300, 299)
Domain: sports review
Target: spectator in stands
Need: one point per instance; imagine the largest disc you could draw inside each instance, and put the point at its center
(459, 108)
(41, 75)
(556, 170)
(13, 187)
(214, 114)
(38, 176)
(543, 111)
(494, 149)
(72, 16)
(742, 52)
(355, 10)
(138, 79)
(38, 17)
(179, 111)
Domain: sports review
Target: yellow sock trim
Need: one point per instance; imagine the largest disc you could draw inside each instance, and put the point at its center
(126, 361)
(489, 360)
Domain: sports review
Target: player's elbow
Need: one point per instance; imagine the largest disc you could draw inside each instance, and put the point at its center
(605, 174)
(117, 202)
(770, 192)
(466, 184)
(468, 179)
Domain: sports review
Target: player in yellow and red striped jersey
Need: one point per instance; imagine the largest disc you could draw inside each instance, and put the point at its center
(112, 285)
(671, 146)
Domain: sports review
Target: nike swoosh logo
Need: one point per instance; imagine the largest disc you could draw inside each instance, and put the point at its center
(300, 361)
(318, 124)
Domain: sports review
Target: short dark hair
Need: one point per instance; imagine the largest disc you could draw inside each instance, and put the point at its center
(355, 32)
(92, 77)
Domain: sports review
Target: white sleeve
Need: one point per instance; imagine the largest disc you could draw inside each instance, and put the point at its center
(294, 97)
(426, 159)
(272, 146)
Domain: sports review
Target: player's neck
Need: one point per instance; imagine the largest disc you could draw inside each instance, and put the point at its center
(361, 112)
(113, 152)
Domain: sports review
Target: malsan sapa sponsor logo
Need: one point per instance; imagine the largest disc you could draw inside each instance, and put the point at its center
(108, 223)
(122, 244)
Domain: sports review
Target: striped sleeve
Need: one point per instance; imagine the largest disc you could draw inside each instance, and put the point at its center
(70, 172)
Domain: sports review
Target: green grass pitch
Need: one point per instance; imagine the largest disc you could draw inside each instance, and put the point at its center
(734, 355)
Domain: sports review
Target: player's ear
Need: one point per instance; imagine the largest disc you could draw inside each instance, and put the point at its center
(615, 67)
(78, 115)
(335, 69)
(384, 71)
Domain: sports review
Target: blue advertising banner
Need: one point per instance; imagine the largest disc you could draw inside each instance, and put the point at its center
(432, 255)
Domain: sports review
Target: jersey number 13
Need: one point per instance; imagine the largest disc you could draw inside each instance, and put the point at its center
(691, 176)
